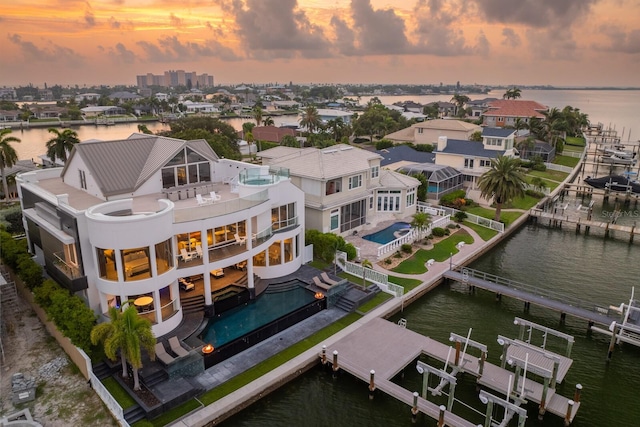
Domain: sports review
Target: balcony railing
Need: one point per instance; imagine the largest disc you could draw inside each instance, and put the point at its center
(71, 271)
(261, 176)
(220, 208)
(262, 236)
(285, 224)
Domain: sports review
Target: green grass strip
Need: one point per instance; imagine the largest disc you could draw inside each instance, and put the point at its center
(549, 174)
(524, 203)
(441, 251)
(506, 217)
(405, 282)
(566, 161)
(374, 302)
(575, 140)
(119, 393)
(484, 232)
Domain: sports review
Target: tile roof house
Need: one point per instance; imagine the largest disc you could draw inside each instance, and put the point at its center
(344, 186)
(429, 131)
(133, 218)
(504, 112)
(271, 133)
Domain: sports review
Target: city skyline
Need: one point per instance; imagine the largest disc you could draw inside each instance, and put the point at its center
(530, 42)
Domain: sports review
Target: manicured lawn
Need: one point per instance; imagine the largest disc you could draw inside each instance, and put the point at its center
(566, 161)
(374, 302)
(550, 184)
(118, 393)
(441, 251)
(484, 232)
(526, 202)
(350, 277)
(406, 283)
(549, 174)
(575, 140)
(319, 264)
(506, 217)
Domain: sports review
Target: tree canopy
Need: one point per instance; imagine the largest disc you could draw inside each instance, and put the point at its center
(61, 144)
(221, 136)
(8, 157)
(503, 182)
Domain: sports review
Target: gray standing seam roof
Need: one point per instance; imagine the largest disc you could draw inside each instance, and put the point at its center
(404, 152)
(469, 148)
(498, 132)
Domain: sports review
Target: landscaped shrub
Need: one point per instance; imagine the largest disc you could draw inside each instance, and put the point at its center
(447, 232)
(427, 148)
(388, 261)
(449, 199)
(406, 248)
(29, 271)
(11, 249)
(350, 250)
(11, 219)
(325, 245)
(539, 167)
(383, 143)
(460, 216)
(534, 193)
(265, 145)
(438, 231)
(451, 226)
(398, 254)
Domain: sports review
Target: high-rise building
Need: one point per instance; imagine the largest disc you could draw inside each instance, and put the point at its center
(172, 78)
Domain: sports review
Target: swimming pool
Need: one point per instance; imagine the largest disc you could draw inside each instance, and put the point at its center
(263, 310)
(388, 234)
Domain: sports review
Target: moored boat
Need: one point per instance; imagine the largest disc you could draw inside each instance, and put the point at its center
(614, 183)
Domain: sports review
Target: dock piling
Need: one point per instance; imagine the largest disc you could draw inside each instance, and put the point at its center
(567, 418)
(612, 343)
(372, 384)
(414, 408)
(324, 354)
(441, 417)
(335, 362)
(576, 395)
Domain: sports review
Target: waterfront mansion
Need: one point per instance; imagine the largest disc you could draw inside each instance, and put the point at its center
(141, 219)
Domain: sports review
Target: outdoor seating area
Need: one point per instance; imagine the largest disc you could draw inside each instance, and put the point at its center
(175, 347)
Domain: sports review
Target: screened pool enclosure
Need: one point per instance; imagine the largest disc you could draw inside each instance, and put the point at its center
(442, 179)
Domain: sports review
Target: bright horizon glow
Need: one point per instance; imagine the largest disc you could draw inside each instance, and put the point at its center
(494, 42)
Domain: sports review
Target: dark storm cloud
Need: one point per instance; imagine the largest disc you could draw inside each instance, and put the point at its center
(551, 44)
(534, 13)
(276, 29)
(378, 32)
(345, 37)
(170, 48)
(619, 40)
(49, 53)
(510, 38)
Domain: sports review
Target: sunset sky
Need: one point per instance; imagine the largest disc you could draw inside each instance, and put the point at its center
(557, 42)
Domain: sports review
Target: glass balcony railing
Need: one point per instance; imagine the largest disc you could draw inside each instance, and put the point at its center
(69, 270)
(284, 225)
(220, 208)
(262, 176)
(262, 236)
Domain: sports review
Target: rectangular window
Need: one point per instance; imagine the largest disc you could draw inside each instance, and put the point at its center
(83, 180)
(371, 202)
(411, 197)
(333, 186)
(485, 163)
(389, 200)
(355, 182)
(283, 217)
(420, 130)
(468, 163)
(353, 215)
(375, 171)
(168, 178)
(335, 219)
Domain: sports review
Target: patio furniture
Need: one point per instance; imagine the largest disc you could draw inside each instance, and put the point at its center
(240, 240)
(199, 251)
(214, 197)
(217, 273)
(185, 255)
(320, 284)
(203, 201)
(177, 348)
(162, 354)
(327, 279)
(136, 263)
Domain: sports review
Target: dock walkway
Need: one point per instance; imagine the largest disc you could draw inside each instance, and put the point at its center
(465, 275)
(387, 349)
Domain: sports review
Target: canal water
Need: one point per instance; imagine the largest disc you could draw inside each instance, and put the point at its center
(591, 268)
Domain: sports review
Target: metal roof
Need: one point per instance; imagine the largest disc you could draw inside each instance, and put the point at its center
(398, 153)
(498, 132)
(469, 148)
(434, 173)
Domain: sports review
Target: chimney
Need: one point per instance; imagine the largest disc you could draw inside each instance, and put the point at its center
(442, 143)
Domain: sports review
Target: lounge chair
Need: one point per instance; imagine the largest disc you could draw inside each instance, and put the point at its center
(327, 279)
(199, 251)
(162, 354)
(214, 197)
(240, 240)
(177, 348)
(202, 201)
(320, 284)
(186, 256)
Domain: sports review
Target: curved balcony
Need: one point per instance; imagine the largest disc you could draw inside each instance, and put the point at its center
(263, 176)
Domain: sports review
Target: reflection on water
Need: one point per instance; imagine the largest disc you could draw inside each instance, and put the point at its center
(597, 270)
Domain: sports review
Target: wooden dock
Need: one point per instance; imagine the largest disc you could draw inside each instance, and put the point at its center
(529, 295)
(387, 349)
(561, 220)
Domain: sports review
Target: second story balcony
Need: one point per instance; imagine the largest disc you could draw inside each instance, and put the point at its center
(263, 176)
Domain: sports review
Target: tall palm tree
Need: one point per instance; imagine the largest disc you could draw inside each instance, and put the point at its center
(310, 119)
(257, 114)
(128, 333)
(8, 157)
(421, 222)
(503, 182)
(366, 264)
(459, 100)
(512, 93)
(268, 121)
(61, 144)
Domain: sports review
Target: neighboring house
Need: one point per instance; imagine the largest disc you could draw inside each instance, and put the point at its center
(124, 96)
(98, 110)
(398, 155)
(429, 131)
(473, 158)
(122, 221)
(505, 112)
(10, 115)
(326, 114)
(19, 167)
(445, 109)
(89, 96)
(271, 133)
(543, 149)
(344, 186)
(478, 106)
(41, 111)
(200, 107)
(285, 105)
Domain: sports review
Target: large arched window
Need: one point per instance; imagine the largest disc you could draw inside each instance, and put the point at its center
(186, 167)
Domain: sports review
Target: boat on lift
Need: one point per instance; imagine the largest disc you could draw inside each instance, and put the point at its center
(614, 183)
(619, 152)
(616, 160)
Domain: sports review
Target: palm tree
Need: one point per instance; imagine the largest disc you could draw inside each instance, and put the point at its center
(289, 141)
(8, 157)
(512, 93)
(257, 114)
(268, 121)
(61, 144)
(459, 100)
(144, 129)
(310, 119)
(503, 182)
(421, 222)
(128, 333)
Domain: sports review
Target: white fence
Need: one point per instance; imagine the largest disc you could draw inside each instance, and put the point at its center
(110, 402)
(475, 219)
(414, 235)
(307, 254)
(554, 167)
(377, 277)
(543, 190)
